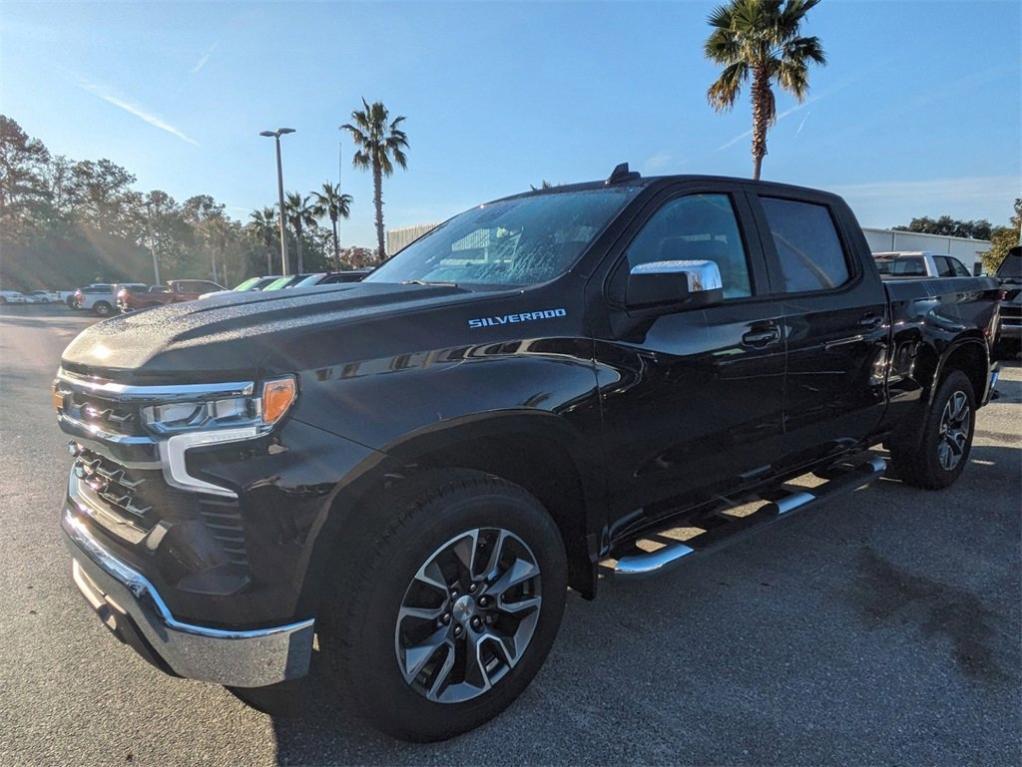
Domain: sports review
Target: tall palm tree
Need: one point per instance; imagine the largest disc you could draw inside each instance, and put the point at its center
(301, 213)
(759, 40)
(331, 202)
(381, 144)
(263, 225)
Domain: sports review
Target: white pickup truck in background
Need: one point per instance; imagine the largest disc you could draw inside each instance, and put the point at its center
(901, 264)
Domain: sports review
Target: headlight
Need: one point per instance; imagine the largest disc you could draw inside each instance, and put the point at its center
(275, 398)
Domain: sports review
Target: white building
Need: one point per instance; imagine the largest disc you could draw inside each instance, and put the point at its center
(967, 251)
(399, 238)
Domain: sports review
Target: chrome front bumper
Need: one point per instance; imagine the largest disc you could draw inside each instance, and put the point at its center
(129, 605)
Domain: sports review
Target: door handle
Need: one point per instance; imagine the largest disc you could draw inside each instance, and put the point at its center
(761, 337)
(871, 321)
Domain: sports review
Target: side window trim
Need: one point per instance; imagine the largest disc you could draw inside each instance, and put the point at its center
(773, 258)
(759, 284)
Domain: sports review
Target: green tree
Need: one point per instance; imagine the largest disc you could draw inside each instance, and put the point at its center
(331, 202)
(950, 227)
(301, 214)
(759, 40)
(1003, 239)
(381, 144)
(22, 163)
(263, 227)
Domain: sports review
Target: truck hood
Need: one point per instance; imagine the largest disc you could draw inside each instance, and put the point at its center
(240, 334)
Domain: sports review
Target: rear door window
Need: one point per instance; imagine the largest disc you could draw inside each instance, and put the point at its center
(944, 267)
(959, 268)
(808, 246)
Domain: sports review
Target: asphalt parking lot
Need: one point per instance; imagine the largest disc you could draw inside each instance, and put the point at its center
(882, 628)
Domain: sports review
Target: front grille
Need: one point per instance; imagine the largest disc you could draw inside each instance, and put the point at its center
(1013, 311)
(118, 488)
(109, 415)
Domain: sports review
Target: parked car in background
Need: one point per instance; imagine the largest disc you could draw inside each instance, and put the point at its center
(101, 297)
(332, 278)
(251, 284)
(908, 264)
(12, 297)
(174, 292)
(288, 281)
(38, 297)
(1010, 275)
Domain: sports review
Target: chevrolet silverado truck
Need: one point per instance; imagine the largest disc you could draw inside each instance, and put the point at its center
(546, 390)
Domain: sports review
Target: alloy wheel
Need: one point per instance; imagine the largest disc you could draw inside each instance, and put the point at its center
(953, 433)
(468, 615)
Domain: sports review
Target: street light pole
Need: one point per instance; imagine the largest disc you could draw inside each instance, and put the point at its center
(149, 236)
(280, 194)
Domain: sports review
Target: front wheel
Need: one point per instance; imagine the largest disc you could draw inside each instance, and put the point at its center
(448, 604)
(944, 437)
(102, 309)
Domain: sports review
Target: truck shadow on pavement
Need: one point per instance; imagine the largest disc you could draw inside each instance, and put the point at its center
(768, 638)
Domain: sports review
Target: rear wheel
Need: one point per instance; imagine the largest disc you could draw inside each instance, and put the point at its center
(944, 437)
(102, 308)
(448, 606)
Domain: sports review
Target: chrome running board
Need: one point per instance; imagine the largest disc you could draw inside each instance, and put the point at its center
(726, 528)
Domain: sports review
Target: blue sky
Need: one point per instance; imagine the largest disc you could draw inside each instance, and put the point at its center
(917, 113)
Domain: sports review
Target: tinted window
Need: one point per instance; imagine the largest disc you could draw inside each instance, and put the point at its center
(944, 267)
(696, 228)
(807, 244)
(1011, 266)
(959, 268)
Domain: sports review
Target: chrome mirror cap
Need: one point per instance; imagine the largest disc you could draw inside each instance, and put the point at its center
(701, 275)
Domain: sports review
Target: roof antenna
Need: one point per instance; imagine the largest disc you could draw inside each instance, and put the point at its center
(621, 173)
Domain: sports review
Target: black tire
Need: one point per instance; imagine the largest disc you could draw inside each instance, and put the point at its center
(359, 629)
(919, 458)
(102, 309)
(70, 301)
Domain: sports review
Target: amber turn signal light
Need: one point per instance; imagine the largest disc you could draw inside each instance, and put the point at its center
(278, 396)
(58, 399)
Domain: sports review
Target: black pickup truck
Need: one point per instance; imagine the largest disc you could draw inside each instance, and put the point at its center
(551, 388)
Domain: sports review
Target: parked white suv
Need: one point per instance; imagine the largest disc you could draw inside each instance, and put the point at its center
(101, 297)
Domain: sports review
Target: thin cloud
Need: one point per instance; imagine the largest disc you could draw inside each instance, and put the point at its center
(143, 114)
(781, 116)
(661, 161)
(802, 124)
(203, 59)
(985, 188)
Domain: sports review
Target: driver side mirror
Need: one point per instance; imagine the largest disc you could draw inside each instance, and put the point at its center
(674, 284)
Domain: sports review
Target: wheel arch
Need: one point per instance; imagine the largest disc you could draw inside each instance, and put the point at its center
(971, 355)
(535, 450)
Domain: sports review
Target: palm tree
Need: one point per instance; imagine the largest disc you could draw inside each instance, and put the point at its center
(759, 40)
(381, 143)
(263, 224)
(300, 214)
(331, 202)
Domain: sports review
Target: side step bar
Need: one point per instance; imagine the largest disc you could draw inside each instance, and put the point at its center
(778, 507)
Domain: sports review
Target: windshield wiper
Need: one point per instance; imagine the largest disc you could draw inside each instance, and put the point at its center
(427, 282)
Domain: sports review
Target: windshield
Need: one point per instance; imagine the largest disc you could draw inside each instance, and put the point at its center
(522, 241)
(1011, 266)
